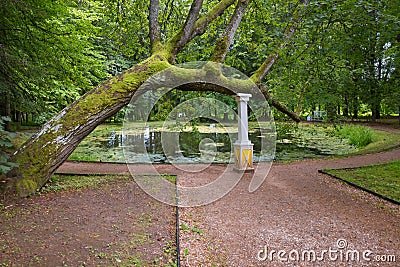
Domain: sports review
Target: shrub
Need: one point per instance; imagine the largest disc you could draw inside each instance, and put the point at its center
(359, 136)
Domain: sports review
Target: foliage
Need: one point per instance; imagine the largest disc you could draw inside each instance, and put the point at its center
(48, 55)
(345, 53)
(359, 136)
(5, 144)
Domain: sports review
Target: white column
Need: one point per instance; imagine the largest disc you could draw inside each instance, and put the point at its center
(243, 147)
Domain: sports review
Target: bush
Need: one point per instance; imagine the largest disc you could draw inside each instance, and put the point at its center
(359, 136)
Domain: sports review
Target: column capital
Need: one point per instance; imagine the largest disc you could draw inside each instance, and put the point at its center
(243, 97)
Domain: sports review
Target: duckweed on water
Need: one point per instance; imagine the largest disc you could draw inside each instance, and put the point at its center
(294, 141)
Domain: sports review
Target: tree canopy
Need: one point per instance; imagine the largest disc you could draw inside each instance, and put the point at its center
(49, 54)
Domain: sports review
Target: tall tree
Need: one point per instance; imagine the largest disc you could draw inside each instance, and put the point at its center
(40, 156)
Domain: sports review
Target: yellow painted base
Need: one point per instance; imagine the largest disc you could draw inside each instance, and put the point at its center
(243, 157)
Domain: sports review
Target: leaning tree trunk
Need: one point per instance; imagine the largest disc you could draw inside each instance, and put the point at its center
(42, 154)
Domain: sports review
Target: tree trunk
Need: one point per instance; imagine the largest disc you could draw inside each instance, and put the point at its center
(356, 108)
(331, 112)
(7, 125)
(18, 119)
(42, 154)
(346, 107)
(376, 112)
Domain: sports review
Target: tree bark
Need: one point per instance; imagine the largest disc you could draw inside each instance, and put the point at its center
(154, 27)
(223, 44)
(376, 112)
(346, 107)
(187, 29)
(176, 43)
(18, 119)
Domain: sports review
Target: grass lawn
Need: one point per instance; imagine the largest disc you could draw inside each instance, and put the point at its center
(382, 140)
(383, 179)
(79, 182)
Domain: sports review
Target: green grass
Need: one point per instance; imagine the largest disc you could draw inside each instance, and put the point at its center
(383, 179)
(382, 140)
(79, 182)
(359, 136)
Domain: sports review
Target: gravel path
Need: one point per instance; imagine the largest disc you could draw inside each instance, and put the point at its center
(296, 210)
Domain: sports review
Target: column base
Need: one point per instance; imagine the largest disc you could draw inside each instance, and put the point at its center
(243, 157)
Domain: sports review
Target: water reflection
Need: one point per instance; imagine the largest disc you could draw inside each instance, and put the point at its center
(194, 147)
(182, 146)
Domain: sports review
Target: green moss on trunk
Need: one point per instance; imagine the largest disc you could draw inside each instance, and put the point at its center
(41, 155)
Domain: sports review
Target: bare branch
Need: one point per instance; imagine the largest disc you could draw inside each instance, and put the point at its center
(223, 44)
(154, 27)
(263, 70)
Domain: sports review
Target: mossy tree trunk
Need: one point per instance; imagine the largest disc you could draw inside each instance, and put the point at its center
(42, 154)
(48, 149)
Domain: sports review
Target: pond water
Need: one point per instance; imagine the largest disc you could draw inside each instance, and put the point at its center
(182, 147)
(110, 144)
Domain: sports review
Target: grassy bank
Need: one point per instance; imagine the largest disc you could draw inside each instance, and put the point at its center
(383, 179)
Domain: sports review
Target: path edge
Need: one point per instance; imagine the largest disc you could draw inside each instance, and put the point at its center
(358, 186)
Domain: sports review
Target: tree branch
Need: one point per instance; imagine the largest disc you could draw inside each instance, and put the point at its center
(266, 66)
(206, 19)
(187, 29)
(223, 45)
(154, 27)
(275, 103)
(198, 28)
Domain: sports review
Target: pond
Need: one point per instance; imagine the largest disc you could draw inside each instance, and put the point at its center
(206, 143)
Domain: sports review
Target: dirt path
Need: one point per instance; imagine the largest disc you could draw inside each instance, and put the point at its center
(299, 209)
(115, 224)
(295, 209)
